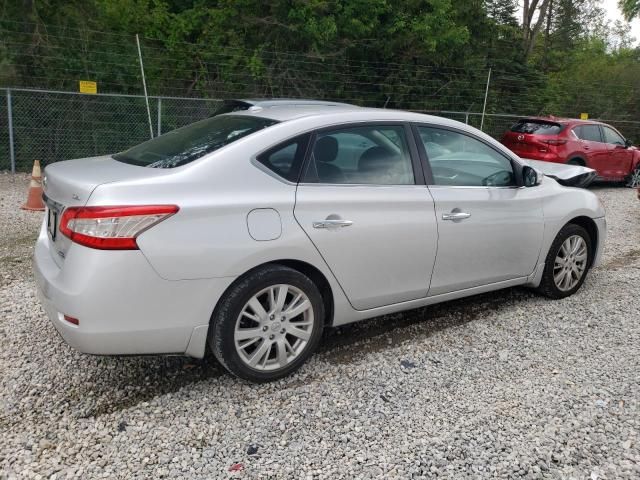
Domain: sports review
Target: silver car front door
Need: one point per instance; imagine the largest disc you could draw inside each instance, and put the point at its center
(371, 220)
(490, 229)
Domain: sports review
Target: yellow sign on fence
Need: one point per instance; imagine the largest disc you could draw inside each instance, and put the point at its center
(87, 86)
(584, 116)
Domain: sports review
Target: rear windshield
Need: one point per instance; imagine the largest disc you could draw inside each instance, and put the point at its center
(189, 143)
(539, 127)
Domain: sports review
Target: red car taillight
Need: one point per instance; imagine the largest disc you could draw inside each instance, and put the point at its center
(112, 228)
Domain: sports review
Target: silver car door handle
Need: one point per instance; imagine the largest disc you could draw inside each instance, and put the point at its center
(455, 216)
(332, 224)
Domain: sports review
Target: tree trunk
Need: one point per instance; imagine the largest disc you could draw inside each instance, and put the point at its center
(530, 29)
(547, 38)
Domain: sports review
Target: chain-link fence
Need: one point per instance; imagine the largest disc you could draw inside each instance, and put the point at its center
(42, 117)
(50, 126)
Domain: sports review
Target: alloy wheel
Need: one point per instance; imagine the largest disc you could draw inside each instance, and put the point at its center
(634, 179)
(274, 327)
(570, 263)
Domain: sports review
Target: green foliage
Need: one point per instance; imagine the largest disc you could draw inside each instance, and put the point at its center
(415, 54)
(630, 8)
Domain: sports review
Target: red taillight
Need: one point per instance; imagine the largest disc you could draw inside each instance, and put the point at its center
(554, 141)
(112, 228)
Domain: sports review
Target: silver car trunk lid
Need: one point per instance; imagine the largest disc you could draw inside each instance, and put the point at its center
(70, 184)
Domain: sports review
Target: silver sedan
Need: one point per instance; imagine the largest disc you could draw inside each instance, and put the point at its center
(250, 232)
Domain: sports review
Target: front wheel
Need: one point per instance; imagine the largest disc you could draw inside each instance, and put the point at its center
(267, 324)
(567, 262)
(633, 180)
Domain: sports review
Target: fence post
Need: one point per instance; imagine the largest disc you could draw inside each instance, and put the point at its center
(466, 118)
(486, 94)
(12, 154)
(159, 117)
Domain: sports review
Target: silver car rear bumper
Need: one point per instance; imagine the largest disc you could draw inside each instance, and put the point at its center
(123, 306)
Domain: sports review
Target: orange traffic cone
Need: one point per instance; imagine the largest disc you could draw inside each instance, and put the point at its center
(34, 199)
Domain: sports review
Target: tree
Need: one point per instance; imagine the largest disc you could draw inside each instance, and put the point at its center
(503, 12)
(630, 9)
(531, 24)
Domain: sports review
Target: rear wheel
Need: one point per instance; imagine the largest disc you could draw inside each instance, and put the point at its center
(576, 161)
(633, 180)
(267, 324)
(567, 262)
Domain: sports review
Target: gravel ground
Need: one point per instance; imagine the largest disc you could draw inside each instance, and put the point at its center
(506, 385)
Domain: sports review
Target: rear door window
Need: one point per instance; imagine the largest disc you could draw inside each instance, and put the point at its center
(590, 133)
(365, 155)
(538, 127)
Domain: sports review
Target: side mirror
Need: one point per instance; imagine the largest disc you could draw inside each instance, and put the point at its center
(530, 177)
(628, 143)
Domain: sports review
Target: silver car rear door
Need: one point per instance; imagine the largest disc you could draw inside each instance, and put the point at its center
(363, 203)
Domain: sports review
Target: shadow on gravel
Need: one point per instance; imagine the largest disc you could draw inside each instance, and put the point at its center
(391, 330)
(133, 380)
(600, 185)
(622, 260)
(118, 383)
(108, 385)
(83, 386)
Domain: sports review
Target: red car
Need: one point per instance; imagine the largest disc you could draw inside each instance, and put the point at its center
(579, 142)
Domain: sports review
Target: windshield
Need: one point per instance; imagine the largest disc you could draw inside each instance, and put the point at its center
(189, 143)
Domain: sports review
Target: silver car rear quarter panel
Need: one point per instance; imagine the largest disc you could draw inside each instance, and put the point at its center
(123, 306)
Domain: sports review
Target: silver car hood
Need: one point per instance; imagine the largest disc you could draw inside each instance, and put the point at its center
(568, 175)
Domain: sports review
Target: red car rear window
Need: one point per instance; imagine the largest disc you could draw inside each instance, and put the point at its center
(539, 127)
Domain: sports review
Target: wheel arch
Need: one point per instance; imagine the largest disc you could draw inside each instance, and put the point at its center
(592, 229)
(314, 274)
(578, 158)
(319, 279)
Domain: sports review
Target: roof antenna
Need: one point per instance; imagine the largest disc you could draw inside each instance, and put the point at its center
(387, 102)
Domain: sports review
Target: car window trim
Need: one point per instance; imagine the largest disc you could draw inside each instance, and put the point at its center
(602, 140)
(418, 175)
(304, 138)
(427, 165)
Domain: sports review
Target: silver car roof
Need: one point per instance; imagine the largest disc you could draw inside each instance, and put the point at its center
(285, 113)
(273, 102)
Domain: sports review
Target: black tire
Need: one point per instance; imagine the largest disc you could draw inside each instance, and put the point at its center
(548, 285)
(576, 161)
(224, 318)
